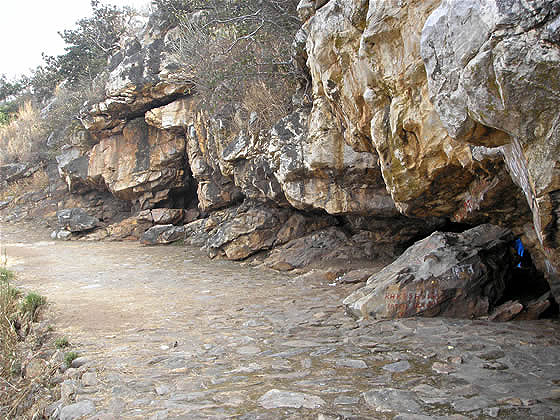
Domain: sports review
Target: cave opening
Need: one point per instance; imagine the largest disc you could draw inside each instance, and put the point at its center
(528, 286)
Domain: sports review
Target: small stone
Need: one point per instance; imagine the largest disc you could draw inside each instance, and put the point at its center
(248, 350)
(511, 401)
(79, 409)
(68, 389)
(276, 398)
(79, 362)
(162, 389)
(491, 411)
(443, 368)
(345, 400)
(89, 379)
(470, 404)
(492, 355)
(457, 360)
(351, 363)
(397, 367)
(495, 366)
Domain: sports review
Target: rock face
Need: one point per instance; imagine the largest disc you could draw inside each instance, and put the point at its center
(420, 113)
(456, 275)
(439, 90)
(142, 164)
(497, 64)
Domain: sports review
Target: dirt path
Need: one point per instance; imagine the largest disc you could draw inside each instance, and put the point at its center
(169, 333)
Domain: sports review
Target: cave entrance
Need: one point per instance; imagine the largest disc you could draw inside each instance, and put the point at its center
(529, 287)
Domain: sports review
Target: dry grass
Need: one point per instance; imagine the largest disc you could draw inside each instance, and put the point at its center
(9, 305)
(23, 138)
(36, 182)
(268, 102)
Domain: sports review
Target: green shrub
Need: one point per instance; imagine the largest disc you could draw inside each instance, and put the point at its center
(69, 358)
(5, 274)
(31, 303)
(8, 309)
(61, 343)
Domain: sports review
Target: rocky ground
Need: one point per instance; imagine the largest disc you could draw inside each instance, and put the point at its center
(165, 333)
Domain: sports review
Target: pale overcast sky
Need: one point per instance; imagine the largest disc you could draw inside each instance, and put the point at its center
(29, 27)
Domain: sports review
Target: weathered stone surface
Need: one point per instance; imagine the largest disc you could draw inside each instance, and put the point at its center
(141, 76)
(128, 229)
(174, 116)
(162, 216)
(12, 172)
(318, 170)
(73, 168)
(497, 64)
(77, 410)
(76, 220)
(238, 232)
(215, 190)
(163, 234)
(390, 399)
(330, 245)
(460, 275)
(276, 398)
(141, 164)
(506, 311)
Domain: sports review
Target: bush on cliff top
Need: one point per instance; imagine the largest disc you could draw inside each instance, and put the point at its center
(237, 53)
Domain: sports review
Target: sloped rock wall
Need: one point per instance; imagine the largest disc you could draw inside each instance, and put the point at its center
(423, 112)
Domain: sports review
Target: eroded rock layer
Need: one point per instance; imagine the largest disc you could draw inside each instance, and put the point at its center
(422, 113)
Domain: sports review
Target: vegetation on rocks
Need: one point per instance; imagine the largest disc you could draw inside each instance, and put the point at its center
(237, 54)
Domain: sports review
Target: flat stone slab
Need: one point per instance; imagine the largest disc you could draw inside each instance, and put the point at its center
(389, 399)
(276, 398)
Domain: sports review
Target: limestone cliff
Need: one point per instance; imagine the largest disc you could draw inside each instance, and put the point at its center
(423, 112)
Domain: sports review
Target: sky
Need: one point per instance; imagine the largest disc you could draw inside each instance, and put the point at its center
(29, 27)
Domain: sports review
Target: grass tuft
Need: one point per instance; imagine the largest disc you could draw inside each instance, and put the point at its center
(61, 343)
(70, 357)
(31, 303)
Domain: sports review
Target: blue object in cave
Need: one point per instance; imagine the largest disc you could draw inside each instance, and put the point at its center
(519, 248)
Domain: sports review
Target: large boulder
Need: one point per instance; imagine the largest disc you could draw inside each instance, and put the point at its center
(449, 274)
(76, 220)
(163, 234)
(72, 166)
(325, 246)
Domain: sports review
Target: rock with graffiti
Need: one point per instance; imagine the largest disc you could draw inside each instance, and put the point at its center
(450, 274)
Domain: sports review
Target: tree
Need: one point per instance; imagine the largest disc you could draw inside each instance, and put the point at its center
(89, 45)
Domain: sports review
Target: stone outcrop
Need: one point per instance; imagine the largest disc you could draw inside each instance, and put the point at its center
(420, 114)
(439, 90)
(493, 68)
(76, 220)
(142, 164)
(456, 275)
(163, 234)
